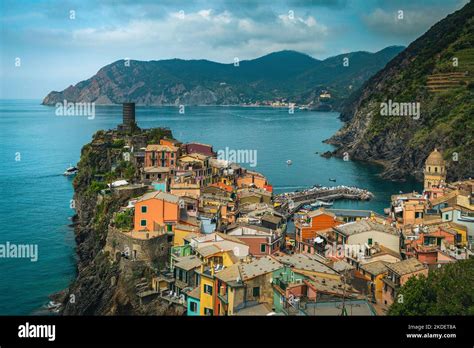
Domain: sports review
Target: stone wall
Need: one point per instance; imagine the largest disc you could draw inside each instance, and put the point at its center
(154, 251)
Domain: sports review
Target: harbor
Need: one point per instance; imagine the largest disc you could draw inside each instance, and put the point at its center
(288, 203)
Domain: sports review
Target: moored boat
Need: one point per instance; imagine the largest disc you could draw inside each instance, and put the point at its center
(70, 171)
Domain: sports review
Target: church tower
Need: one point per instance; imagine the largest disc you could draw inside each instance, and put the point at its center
(435, 170)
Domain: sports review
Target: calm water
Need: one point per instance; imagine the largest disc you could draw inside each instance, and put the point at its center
(36, 146)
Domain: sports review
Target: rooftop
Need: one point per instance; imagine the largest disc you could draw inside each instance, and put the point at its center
(375, 268)
(156, 169)
(188, 262)
(366, 225)
(303, 262)
(159, 195)
(156, 147)
(406, 266)
(258, 267)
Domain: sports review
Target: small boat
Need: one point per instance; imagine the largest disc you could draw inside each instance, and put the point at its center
(332, 179)
(289, 162)
(53, 306)
(325, 204)
(70, 171)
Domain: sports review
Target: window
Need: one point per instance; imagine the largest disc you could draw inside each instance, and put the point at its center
(263, 248)
(193, 307)
(208, 289)
(143, 222)
(172, 162)
(446, 216)
(144, 208)
(256, 291)
(370, 241)
(208, 311)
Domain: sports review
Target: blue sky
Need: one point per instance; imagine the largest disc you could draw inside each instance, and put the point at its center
(57, 50)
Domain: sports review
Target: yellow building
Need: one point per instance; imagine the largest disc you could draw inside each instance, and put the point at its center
(182, 231)
(435, 170)
(214, 260)
(374, 272)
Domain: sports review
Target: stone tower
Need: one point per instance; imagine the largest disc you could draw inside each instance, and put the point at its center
(128, 116)
(435, 170)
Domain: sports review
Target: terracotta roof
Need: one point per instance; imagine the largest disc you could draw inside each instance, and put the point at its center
(159, 195)
(195, 293)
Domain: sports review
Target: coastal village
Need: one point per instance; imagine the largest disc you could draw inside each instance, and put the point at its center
(221, 242)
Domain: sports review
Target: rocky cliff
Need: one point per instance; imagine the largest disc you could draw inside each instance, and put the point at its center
(105, 284)
(422, 99)
(288, 75)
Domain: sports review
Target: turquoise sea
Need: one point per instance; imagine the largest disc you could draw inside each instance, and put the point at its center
(36, 146)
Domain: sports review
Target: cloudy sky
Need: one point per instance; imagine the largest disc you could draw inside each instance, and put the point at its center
(62, 42)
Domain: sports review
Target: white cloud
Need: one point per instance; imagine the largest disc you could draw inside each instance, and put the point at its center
(414, 22)
(210, 34)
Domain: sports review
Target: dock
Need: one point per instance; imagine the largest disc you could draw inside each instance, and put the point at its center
(290, 202)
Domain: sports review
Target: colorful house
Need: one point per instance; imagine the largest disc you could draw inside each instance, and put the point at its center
(156, 211)
(307, 228)
(398, 274)
(194, 302)
(161, 156)
(244, 285)
(261, 241)
(253, 179)
(374, 272)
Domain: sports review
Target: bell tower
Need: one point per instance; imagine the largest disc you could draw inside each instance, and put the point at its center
(435, 170)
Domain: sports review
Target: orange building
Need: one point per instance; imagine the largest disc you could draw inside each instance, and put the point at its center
(156, 211)
(161, 156)
(317, 220)
(253, 179)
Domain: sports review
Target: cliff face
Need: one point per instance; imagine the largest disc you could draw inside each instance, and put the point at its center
(287, 74)
(106, 285)
(435, 71)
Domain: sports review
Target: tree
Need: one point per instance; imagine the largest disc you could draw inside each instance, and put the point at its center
(446, 291)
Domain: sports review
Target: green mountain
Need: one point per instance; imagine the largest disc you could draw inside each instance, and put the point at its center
(436, 71)
(289, 75)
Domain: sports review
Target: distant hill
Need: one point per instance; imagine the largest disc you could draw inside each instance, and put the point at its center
(436, 71)
(288, 75)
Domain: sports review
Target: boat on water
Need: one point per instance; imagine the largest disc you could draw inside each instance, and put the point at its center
(332, 179)
(289, 162)
(318, 204)
(70, 171)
